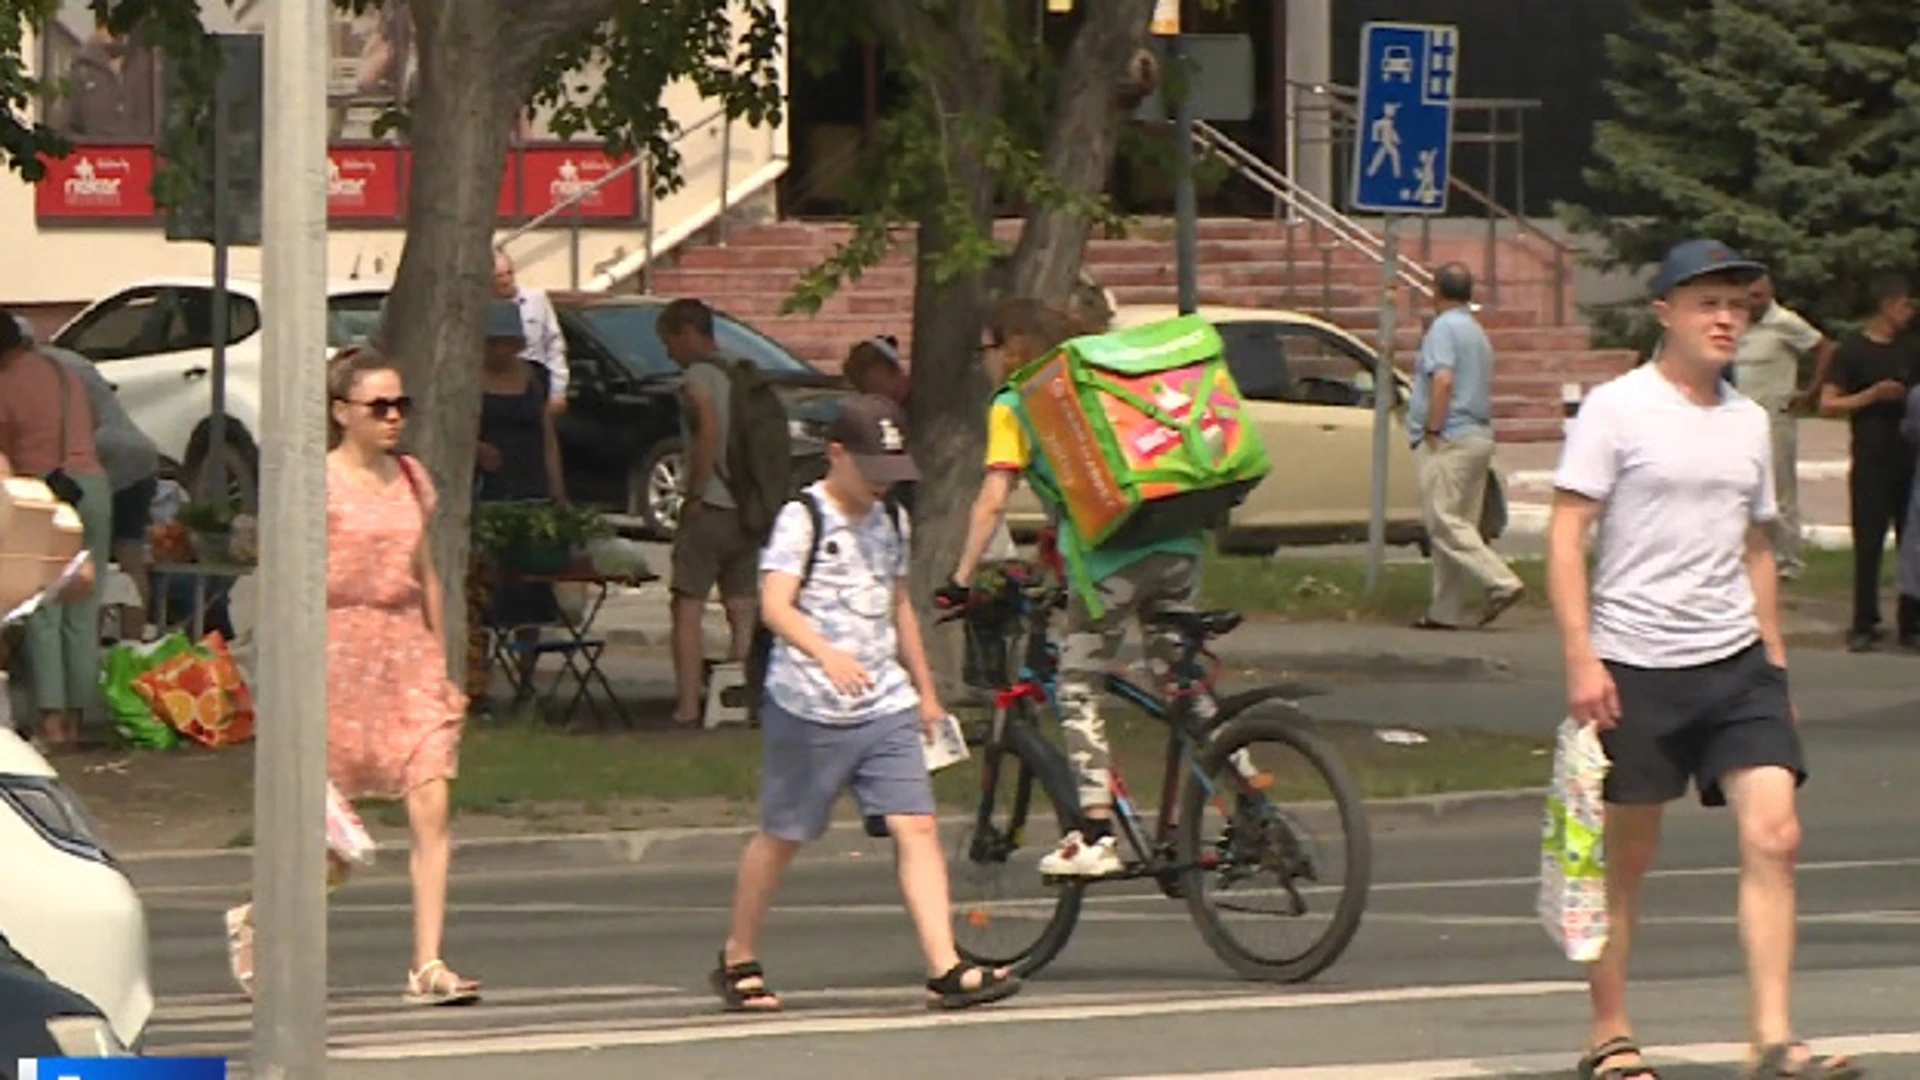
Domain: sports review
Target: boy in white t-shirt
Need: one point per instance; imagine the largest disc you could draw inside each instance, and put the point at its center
(849, 702)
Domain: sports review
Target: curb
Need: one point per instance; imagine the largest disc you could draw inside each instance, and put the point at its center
(1530, 519)
(666, 848)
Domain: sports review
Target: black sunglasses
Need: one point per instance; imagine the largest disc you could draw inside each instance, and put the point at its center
(384, 407)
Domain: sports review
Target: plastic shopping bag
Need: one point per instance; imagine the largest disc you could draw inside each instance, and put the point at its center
(346, 834)
(1573, 875)
(133, 717)
(201, 694)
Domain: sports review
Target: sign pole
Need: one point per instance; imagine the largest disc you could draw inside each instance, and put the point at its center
(216, 457)
(289, 865)
(1186, 208)
(1385, 389)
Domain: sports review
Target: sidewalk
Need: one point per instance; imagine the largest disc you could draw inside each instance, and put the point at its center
(1528, 469)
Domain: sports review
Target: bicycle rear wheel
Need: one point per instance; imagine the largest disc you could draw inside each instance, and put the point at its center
(1003, 914)
(1259, 838)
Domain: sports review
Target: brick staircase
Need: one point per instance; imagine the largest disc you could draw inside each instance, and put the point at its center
(1243, 263)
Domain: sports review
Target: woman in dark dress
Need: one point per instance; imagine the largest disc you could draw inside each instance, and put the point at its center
(518, 461)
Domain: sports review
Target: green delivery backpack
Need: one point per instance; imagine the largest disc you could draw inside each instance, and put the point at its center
(1140, 434)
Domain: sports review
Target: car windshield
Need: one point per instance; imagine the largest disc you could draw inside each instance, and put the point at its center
(628, 330)
(353, 318)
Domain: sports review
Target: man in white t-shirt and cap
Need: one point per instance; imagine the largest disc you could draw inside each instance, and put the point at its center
(1766, 368)
(1675, 652)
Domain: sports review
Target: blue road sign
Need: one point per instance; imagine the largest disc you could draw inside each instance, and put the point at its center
(1404, 148)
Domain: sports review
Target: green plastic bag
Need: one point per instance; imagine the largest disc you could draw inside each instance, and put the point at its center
(131, 715)
(1139, 435)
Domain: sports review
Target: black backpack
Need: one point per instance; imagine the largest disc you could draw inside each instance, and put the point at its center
(761, 652)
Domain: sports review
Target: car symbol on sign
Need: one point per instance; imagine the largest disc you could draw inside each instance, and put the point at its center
(1396, 60)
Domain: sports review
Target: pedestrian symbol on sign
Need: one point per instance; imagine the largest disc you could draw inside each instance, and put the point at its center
(1386, 141)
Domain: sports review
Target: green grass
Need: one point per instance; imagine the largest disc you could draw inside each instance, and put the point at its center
(1306, 590)
(524, 769)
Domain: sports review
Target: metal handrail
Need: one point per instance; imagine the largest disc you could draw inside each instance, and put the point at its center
(639, 161)
(1301, 201)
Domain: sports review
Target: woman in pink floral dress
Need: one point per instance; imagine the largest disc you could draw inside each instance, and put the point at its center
(393, 717)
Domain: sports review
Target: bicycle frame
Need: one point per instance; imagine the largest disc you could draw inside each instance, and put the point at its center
(1037, 681)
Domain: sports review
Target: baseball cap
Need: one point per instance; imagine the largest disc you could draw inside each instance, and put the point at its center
(1698, 258)
(874, 431)
(503, 321)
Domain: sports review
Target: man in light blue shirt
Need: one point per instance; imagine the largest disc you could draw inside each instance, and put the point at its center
(1450, 424)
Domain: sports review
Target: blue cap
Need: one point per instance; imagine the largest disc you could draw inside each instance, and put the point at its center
(1698, 258)
(503, 321)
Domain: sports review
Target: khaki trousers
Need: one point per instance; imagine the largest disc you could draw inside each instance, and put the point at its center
(1453, 484)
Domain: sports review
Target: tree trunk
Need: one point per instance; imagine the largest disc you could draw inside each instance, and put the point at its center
(1081, 143)
(478, 59)
(956, 67)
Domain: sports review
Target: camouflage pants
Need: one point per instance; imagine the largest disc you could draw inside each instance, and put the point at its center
(1160, 582)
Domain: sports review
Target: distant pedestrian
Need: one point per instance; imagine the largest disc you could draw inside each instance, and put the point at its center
(1908, 617)
(131, 461)
(711, 546)
(1766, 368)
(1873, 370)
(874, 366)
(46, 430)
(1450, 424)
(1675, 652)
(850, 698)
(545, 344)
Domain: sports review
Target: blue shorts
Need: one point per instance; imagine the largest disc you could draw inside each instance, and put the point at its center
(805, 766)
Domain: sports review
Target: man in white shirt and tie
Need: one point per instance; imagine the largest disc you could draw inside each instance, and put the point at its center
(546, 345)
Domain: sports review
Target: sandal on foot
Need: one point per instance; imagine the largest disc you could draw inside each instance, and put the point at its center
(436, 984)
(240, 947)
(1594, 1065)
(1428, 622)
(950, 991)
(743, 987)
(1777, 1062)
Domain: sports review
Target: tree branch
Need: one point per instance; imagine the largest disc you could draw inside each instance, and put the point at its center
(1081, 144)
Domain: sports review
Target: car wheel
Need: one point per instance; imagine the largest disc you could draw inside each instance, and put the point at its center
(241, 464)
(654, 486)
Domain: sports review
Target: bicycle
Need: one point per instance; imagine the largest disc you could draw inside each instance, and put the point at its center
(1258, 840)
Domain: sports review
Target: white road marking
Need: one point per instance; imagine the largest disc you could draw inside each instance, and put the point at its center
(1857, 1046)
(757, 1028)
(1095, 897)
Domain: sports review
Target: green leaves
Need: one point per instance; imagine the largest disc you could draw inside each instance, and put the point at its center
(1786, 128)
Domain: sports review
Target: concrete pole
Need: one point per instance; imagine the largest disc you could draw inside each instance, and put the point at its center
(1310, 63)
(289, 868)
(1186, 205)
(1385, 390)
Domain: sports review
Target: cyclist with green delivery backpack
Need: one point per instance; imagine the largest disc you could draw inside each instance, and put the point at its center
(1136, 441)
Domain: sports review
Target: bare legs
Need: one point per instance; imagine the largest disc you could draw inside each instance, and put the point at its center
(427, 813)
(1769, 836)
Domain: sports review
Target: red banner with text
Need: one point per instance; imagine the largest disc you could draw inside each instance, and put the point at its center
(97, 183)
(363, 183)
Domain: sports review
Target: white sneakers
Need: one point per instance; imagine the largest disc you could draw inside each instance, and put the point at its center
(1076, 857)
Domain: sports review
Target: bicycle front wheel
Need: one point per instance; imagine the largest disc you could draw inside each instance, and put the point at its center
(1275, 843)
(1004, 915)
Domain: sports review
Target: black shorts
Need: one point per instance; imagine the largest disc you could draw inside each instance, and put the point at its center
(133, 511)
(1698, 723)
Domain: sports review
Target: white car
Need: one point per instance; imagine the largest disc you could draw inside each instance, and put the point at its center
(66, 907)
(153, 341)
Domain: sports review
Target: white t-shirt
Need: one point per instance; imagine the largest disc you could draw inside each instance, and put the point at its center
(1681, 483)
(849, 600)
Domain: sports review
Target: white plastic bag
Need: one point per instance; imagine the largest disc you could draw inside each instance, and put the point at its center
(1573, 875)
(346, 835)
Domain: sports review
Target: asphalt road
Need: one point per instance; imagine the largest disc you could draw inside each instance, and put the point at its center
(600, 971)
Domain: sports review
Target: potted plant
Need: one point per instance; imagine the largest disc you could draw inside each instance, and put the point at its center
(536, 538)
(210, 524)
